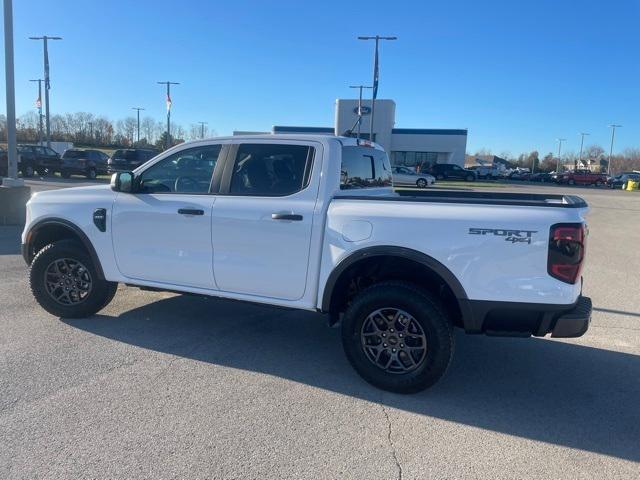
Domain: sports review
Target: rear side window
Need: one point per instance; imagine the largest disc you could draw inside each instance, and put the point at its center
(72, 154)
(364, 167)
(125, 154)
(271, 170)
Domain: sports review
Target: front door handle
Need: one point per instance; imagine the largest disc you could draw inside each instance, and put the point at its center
(286, 216)
(190, 211)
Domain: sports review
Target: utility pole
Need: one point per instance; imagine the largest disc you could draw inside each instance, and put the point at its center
(47, 81)
(90, 130)
(39, 107)
(613, 134)
(560, 140)
(12, 146)
(138, 110)
(359, 121)
(168, 84)
(376, 75)
(202, 124)
(575, 164)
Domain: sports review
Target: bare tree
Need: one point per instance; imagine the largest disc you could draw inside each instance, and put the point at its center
(150, 129)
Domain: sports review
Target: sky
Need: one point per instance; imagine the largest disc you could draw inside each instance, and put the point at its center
(517, 74)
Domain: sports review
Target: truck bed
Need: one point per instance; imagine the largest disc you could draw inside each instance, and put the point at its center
(479, 198)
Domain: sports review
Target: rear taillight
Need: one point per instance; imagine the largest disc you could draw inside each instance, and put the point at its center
(567, 242)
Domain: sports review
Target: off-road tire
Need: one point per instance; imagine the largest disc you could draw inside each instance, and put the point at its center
(101, 293)
(430, 315)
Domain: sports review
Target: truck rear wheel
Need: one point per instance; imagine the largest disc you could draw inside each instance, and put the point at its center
(397, 337)
(65, 282)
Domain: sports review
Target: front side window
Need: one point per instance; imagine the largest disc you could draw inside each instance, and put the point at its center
(187, 171)
(274, 170)
(364, 167)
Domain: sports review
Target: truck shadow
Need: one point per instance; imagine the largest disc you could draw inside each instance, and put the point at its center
(560, 393)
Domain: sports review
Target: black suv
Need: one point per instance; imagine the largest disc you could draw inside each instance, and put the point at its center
(33, 159)
(90, 163)
(130, 158)
(451, 171)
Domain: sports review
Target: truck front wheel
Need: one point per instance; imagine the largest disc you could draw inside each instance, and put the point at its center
(397, 337)
(65, 282)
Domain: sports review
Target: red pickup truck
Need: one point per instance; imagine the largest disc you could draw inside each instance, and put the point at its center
(583, 177)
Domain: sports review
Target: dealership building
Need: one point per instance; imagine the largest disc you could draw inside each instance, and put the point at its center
(406, 146)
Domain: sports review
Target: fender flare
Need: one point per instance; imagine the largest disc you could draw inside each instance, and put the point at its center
(32, 234)
(447, 276)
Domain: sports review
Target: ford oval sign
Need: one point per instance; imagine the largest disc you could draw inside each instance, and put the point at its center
(365, 110)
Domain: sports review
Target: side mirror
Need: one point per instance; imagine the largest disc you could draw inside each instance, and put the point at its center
(122, 182)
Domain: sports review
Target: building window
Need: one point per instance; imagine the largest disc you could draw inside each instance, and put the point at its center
(414, 159)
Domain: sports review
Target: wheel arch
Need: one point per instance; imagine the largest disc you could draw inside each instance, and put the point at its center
(399, 262)
(49, 230)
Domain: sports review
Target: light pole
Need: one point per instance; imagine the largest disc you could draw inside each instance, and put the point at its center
(202, 124)
(47, 81)
(613, 134)
(374, 93)
(168, 84)
(359, 121)
(575, 164)
(12, 146)
(138, 110)
(39, 106)
(560, 140)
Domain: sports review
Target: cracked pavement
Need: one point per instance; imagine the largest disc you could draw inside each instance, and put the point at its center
(166, 386)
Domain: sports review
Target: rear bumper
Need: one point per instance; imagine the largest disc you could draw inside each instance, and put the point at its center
(512, 319)
(575, 322)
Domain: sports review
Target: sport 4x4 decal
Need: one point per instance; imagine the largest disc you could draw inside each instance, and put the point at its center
(513, 236)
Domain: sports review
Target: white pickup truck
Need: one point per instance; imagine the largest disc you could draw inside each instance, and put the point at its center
(311, 222)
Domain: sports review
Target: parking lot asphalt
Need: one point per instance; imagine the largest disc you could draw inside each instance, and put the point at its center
(160, 386)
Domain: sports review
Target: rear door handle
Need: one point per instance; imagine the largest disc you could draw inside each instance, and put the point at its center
(190, 211)
(286, 216)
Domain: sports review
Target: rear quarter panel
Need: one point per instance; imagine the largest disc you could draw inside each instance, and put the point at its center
(487, 266)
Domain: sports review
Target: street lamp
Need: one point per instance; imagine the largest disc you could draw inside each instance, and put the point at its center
(575, 164)
(138, 111)
(374, 93)
(359, 120)
(47, 83)
(12, 146)
(39, 106)
(560, 140)
(613, 134)
(202, 124)
(168, 84)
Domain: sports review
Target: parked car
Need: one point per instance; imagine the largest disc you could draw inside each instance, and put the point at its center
(620, 181)
(87, 162)
(486, 172)
(129, 159)
(541, 177)
(520, 175)
(405, 177)
(33, 159)
(311, 222)
(451, 171)
(583, 177)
